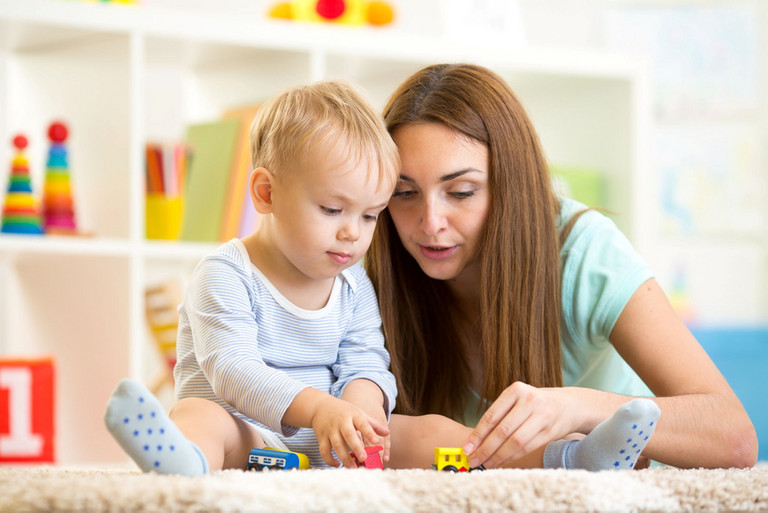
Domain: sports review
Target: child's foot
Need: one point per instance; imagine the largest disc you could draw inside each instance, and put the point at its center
(140, 425)
(616, 443)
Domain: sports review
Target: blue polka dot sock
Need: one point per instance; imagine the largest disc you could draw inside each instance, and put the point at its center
(136, 419)
(616, 443)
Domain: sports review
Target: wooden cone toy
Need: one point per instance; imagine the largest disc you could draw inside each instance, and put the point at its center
(21, 213)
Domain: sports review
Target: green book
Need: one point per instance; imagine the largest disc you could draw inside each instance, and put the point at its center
(582, 184)
(213, 150)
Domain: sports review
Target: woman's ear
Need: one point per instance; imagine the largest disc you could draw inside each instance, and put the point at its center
(261, 190)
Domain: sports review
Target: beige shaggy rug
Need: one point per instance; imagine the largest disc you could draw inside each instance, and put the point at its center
(657, 489)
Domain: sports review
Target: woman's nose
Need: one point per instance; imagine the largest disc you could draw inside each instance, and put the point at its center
(432, 218)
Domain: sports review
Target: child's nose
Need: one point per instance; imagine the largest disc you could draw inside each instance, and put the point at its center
(349, 231)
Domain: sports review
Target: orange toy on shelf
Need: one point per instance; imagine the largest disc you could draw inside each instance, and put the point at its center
(347, 12)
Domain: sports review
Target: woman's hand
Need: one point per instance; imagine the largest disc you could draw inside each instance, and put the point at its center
(521, 420)
(336, 424)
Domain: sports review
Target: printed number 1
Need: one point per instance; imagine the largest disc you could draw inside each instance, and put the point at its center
(20, 441)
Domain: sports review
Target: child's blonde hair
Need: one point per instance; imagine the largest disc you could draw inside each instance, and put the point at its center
(325, 115)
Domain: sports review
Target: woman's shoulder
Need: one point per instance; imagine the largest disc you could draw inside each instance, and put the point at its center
(583, 224)
(586, 216)
(592, 233)
(600, 271)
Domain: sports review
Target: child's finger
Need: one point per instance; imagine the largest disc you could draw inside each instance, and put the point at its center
(325, 452)
(371, 429)
(380, 428)
(355, 443)
(342, 452)
(386, 444)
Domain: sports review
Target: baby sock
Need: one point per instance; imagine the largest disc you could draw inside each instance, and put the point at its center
(616, 443)
(140, 425)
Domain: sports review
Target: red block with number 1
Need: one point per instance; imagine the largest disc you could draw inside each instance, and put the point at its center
(27, 412)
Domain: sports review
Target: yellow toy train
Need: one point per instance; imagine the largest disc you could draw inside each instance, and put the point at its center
(452, 459)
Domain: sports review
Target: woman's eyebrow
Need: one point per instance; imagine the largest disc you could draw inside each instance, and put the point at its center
(448, 177)
(456, 174)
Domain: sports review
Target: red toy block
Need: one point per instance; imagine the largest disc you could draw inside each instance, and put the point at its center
(373, 460)
(27, 397)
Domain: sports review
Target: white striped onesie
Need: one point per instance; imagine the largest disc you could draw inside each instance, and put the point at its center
(243, 345)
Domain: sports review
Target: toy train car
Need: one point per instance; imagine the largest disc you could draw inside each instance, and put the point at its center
(373, 458)
(452, 459)
(269, 457)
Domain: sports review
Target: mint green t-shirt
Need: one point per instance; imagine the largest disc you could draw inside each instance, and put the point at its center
(600, 272)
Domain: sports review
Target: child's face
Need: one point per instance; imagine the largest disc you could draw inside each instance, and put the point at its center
(325, 213)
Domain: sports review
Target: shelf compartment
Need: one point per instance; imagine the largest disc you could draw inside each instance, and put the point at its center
(76, 309)
(84, 84)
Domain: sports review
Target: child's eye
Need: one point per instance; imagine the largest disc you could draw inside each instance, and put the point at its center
(330, 211)
(370, 217)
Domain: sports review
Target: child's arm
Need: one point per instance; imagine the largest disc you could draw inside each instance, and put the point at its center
(336, 424)
(218, 354)
(362, 358)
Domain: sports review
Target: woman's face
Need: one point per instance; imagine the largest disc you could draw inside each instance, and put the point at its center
(441, 201)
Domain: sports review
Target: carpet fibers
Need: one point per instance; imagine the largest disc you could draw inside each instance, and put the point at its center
(657, 489)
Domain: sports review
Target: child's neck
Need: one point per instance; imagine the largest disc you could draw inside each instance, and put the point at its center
(304, 292)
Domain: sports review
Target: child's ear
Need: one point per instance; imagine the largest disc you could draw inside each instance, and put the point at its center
(261, 190)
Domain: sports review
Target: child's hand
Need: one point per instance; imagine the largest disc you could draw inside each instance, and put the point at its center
(336, 424)
(379, 417)
(367, 396)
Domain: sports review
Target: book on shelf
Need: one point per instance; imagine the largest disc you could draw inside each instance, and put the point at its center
(580, 183)
(212, 147)
(239, 215)
(198, 191)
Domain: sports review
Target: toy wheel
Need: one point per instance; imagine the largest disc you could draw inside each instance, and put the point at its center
(255, 466)
(450, 468)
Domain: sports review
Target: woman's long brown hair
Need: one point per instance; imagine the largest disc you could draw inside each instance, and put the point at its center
(519, 325)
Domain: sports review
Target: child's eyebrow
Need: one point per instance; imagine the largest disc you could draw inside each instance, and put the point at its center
(348, 199)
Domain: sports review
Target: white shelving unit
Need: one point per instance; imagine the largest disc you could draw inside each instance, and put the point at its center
(119, 76)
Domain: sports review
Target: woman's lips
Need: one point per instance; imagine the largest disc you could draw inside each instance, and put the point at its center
(437, 252)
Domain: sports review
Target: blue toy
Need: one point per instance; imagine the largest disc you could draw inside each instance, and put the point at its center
(269, 457)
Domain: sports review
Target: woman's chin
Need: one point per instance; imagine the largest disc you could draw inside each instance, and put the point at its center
(439, 272)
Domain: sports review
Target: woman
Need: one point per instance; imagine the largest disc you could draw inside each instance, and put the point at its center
(498, 297)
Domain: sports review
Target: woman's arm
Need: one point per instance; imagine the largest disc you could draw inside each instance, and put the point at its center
(702, 422)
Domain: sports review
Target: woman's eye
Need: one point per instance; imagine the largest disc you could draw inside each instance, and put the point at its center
(330, 211)
(462, 194)
(403, 194)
